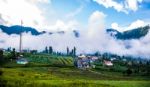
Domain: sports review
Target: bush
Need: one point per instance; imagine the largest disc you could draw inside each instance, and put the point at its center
(37, 76)
(129, 71)
(21, 74)
(1, 72)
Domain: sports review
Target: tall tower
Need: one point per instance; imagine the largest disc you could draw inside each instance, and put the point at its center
(20, 42)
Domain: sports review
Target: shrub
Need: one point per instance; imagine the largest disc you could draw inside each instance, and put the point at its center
(21, 74)
(37, 76)
(129, 71)
(1, 72)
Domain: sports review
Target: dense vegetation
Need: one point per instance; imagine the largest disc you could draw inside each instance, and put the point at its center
(131, 34)
(51, 70)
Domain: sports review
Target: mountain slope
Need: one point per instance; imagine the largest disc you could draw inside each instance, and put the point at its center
(130, 34)
(17, 29)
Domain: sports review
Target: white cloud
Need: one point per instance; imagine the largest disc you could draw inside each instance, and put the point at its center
(39, 1)
(133, 25)
(13, 11)
(61, 25)
(110, 3)
(97, 16)
(132, 4)
(124, 6)
(75, 12)
(136, 24)
(96, 23)
(115, 26)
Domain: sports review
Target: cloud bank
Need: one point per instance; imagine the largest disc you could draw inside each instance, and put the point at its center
(92, 39)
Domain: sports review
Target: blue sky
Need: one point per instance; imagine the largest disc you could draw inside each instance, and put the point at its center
(64, 7)
(43, 14)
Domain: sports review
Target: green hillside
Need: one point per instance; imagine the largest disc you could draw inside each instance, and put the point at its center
(45, 70)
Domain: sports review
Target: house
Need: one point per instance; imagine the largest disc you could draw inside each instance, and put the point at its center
(94, 58)
(124, 60)
(84, 62)
(112, 59)
(108, 63)
(130, 63)
(22, 60)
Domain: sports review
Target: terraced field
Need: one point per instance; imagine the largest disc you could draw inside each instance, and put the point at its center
(51, 60)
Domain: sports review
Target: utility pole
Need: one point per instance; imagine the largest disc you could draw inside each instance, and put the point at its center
(20, 43)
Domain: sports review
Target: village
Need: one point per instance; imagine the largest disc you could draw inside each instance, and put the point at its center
(95, 61)
(85, 62)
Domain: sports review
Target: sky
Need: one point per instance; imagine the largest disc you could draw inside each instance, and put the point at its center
(90, 17)
(48, 13)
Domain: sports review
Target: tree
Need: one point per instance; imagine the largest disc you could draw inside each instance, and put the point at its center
(9, 49)
(71, 53)
(67, 51)
(1, 56)
(1, 53)
(33, 51)
(96, 54)
(148, 67)
(13, 54)
(147, 63)
(129, 71)
(1, 72)
(46, 50)
(74, 51)
(50, 50)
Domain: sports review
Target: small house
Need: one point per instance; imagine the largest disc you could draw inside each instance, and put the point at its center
(108, 63)
(22, 61)
(112, 59)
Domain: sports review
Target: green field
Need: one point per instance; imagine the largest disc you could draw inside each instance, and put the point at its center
(54, 71)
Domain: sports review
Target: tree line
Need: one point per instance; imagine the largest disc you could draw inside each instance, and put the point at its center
(69, 52)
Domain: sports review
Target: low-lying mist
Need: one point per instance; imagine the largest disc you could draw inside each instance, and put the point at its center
(92, 39)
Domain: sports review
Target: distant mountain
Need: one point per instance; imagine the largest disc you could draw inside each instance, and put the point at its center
(17, 29)
(129, 34)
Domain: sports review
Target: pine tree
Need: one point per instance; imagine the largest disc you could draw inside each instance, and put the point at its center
(74, 51)
(50, 50)
(1, 56)
(46, 50)
(9, 49)
(13, 53)
(67, 51)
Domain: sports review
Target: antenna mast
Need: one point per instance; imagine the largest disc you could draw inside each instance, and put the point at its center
(20, 44)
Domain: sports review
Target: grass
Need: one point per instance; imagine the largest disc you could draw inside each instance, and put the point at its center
(64, 77)
(54, 71)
